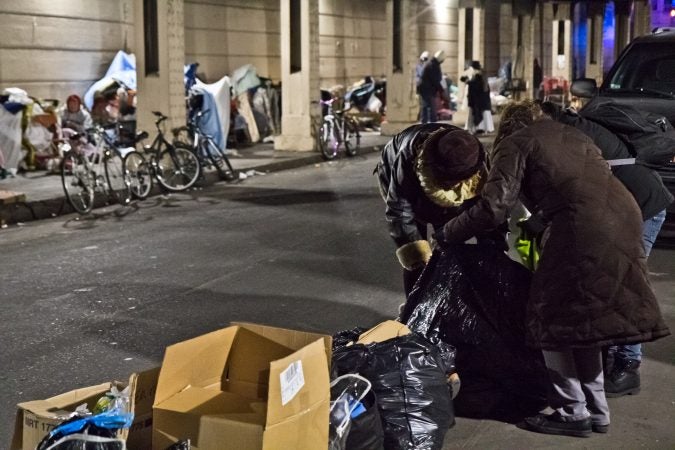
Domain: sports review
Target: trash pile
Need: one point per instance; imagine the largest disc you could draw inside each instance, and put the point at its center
(394, 386)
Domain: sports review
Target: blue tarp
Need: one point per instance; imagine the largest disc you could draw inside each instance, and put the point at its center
(122, 70)
(216, 121)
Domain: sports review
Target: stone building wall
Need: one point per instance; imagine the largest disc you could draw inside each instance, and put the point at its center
(53, 48)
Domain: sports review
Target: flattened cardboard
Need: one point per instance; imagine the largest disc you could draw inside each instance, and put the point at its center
(384, 331)
(222, 390)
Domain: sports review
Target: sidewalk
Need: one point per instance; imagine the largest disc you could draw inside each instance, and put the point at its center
(38, 195)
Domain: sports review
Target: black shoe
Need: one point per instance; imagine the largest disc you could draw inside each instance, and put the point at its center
(553, 424)
(600, 428)
(624, 379)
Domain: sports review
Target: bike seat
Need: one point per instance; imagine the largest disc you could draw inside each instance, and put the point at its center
(140, 135)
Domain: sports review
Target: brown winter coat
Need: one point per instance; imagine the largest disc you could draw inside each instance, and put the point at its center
(591, 286)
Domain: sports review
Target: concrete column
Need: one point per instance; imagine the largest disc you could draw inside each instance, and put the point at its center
(163, 91)
(642, 21)
(402, 103)
(622, 28)
(594, 66)
(299, 117)
(562, 67)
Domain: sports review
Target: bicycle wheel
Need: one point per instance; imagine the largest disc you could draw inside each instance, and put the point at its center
(140, 176)
(78, 182)
(325, 141)
(118, 178)
(352, 137)
(177, 168)
(219, 160)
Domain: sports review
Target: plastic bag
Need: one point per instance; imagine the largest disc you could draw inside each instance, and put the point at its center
(474, 297)
(84, 431)
(409, 379)
(346, 393)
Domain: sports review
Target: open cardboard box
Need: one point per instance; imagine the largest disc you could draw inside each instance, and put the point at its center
(35, 419)
(245, 387)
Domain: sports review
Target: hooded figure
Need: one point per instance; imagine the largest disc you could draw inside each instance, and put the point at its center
(591, 287)
(75, 116)
(426, 174)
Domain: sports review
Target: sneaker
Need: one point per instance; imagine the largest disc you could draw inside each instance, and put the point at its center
(554, 424)
(597, 428)
(624, 379)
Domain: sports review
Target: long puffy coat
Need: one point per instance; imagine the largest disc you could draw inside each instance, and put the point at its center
(591, 286)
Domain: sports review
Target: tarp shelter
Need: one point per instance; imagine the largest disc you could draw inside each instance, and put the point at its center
(11, 134)
(122, 70)
(216, 120)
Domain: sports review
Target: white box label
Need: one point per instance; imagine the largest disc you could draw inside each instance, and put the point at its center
(292, 380)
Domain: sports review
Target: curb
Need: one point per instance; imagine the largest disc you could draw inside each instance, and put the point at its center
(28, 211)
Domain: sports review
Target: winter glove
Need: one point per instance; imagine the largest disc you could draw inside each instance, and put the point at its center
(414, 255)
(495, 238)
(533, 226)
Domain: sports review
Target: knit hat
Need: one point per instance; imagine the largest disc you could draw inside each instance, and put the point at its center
(451, 166)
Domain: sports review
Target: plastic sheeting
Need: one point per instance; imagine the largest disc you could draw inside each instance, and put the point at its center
(10, 139)
(122, 70)
(215, 122)
(244, 78)
(409, 379)
(474, 297)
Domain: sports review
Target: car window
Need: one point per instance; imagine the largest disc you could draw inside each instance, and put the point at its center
(647, 67)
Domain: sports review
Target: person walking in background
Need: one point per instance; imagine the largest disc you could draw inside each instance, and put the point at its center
(430, 86)
(425, 175)
(419, 68)
(652, 197)
(479, 119)
(537, 79)
(591, 287)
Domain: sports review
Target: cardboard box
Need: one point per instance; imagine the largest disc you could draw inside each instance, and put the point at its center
(245, 387)
(386, 330)
(35, 419)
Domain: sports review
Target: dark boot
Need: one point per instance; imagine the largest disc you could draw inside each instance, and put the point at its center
(624, 378)
(554, 424)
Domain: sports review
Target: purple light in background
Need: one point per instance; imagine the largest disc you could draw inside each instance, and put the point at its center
(608, 37)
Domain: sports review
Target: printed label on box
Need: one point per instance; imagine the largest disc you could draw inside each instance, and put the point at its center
(292, 380)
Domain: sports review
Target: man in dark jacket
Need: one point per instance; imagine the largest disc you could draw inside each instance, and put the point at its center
(430, 86)
(591, 287)
(652, 197)
(426, 174)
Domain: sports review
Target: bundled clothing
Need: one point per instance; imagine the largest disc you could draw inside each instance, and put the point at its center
(591, 287)
(413, 184)
(645, 184)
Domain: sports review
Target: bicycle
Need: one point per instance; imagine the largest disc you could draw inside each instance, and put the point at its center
(85, 165)
(337, 129)
(204, 147)
(175, 168)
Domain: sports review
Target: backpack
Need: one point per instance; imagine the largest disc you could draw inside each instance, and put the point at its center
(649, 137)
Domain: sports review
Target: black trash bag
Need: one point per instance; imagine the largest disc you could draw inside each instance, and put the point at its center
(409, 379)
(182, 445)
(365, 432)
(342, 338)
(474, 297)
(90, 437)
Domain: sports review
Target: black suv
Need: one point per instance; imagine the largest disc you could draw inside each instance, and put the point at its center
(643, 77)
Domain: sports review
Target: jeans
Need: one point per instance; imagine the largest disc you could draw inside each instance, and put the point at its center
(650, 231)
(428, 108)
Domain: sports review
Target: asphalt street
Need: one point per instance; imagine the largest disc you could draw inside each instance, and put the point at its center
(88, 300)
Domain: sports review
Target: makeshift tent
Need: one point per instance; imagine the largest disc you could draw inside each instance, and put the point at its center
(122, 70)
(216, 120)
